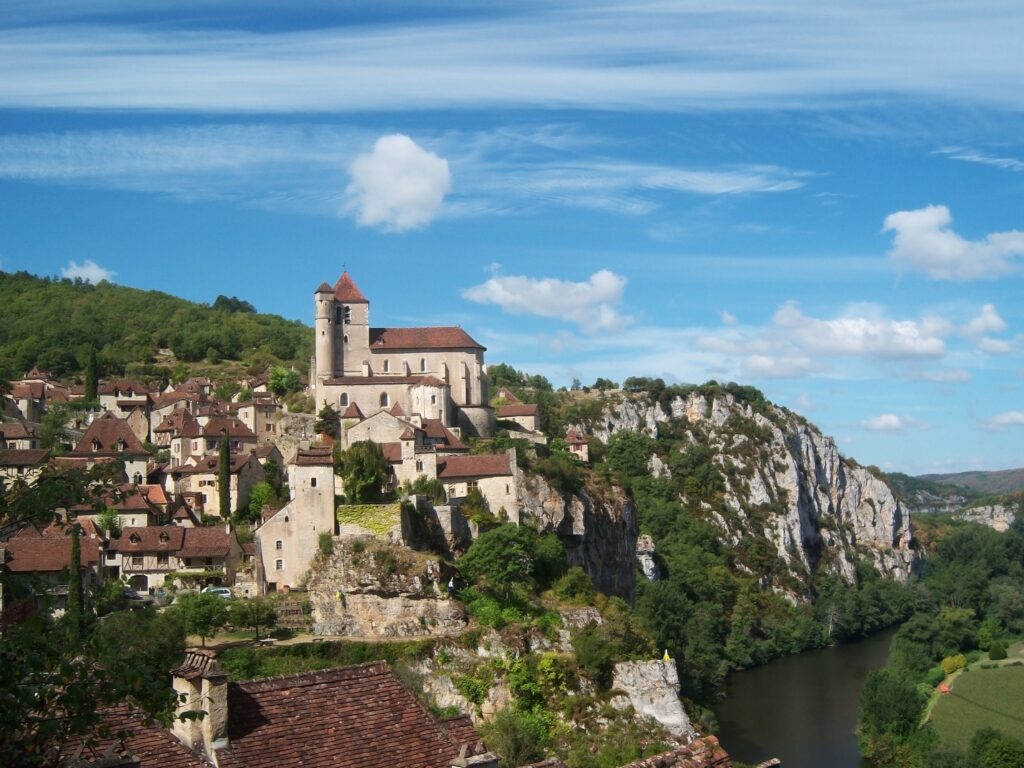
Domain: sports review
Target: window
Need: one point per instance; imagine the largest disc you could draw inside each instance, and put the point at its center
(95, 445)
(137, 478)
(122, 446)
(279, 565)
(279, 545)
(387, 366)
(383, 399)
(162, 560)
(312, 482)
(270, 427)
(472, 484)
(419, 465)
(344, 399)
(136, 561)
(451, 490)
(209, 561)
(433, 399)
(348, 315)
(111, 555)
(423, 365)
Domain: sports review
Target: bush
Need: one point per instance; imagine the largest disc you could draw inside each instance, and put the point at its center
(934, 677)
(951, 664)
(326, 545)
(997, 651)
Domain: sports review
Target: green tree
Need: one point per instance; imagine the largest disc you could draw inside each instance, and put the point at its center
(201, 614)
(224, 475)
(604, 384)
(74, 618)
(629, 452)
(254, 613)
(364, 471)
(890, 710)
(53, 429)
(327, 422)
(501, 559)
(108, 521)
(283, 381)
(261, 494)
(518, 737)
(92, 375)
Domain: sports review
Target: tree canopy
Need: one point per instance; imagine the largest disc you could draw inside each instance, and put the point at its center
(364, 471)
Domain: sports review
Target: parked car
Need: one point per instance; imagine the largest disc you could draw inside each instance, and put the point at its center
(222, 592)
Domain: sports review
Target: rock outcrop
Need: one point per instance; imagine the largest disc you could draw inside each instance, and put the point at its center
(652, 689)
(380, 591)
(997, 516)
(784, 481)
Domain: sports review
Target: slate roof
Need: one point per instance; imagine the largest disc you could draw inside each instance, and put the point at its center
(106, 430)
(346, 290)
(47, 554)
(23, 457)
(485, 465)
(356, 717)
(444, 337)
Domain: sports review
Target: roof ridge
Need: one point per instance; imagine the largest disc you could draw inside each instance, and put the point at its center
(354, 671)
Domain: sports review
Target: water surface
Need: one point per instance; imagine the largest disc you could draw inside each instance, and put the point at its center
(801, 709)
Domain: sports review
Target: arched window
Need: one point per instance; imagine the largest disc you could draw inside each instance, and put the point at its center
(348, 315)
(279, 545)
(344, 399)
(383, 399)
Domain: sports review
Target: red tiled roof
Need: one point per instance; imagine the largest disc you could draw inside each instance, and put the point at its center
(527, 409)
(392, 452)
(396, 410)
(210, 465)
(16, 431)
(574, 437)
(206, 542)
(346, 290)
(461, 729)
(704, 752)
(315, 457)
(21, 390)
(235, 427)
(170, 398)
(435, 430)
(352, 412)
(357, 717)
(47, 554)
(356, 381)
(126, 387)
(23, 457)
(409, 433)
(153, 745)
(486, 465)
(325, 287)
(154, 493)
(445, 337)
(153, 538)
(106, 431)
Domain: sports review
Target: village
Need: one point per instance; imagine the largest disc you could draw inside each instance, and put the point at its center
(238, 498)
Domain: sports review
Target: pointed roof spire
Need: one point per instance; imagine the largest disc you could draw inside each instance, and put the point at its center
(346, 290)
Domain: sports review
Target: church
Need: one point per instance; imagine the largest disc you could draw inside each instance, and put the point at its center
(434, 373)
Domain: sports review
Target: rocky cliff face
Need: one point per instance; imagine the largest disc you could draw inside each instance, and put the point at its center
(598, 529)
(997, 516)
(652, 689)
(784, 481)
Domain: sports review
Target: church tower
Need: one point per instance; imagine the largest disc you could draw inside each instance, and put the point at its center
(323, 355)
(351, 328)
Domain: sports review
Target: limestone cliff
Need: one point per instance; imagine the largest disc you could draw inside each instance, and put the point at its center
(784, 481)
(997, 516)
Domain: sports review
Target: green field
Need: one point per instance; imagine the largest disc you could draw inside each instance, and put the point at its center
(981, 698)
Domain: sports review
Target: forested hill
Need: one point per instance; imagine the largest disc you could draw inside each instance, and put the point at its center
(53, 323)
(1002, 481)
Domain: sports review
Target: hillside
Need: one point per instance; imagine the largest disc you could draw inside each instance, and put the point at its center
(53, 323)
(986, 483)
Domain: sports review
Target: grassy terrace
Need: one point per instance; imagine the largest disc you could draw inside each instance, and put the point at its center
(982, 697)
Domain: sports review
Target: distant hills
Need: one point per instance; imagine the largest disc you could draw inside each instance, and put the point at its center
(984, 483)
(54, 323)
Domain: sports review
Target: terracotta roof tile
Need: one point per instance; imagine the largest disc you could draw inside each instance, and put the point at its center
(21, 390)
(396, 410)
(154, 746)
(392, 452)
(315, 457)
(346, 290)
(445, 337)
(575, 437)
(125, 387)
(206, 542)
(16, 431)
(526, 409)
(47, 554)
(352, 412)
(357, 717)
(235, 427)
(210, 465)
(486, 465)
(435, 430)
(152, 538)
(23, 457)
(431, 381)
(107, 431)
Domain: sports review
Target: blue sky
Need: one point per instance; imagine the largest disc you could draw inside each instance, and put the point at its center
(822, 200)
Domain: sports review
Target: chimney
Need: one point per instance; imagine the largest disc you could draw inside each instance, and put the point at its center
(202, 687)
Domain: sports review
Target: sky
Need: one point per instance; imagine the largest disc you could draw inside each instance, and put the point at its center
(823, 200)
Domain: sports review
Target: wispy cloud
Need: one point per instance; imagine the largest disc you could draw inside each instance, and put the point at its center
(983, 158)
(604, 55)
(88, 270)
(1004, 420)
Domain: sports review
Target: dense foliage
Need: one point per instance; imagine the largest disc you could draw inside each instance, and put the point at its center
(126, 327)
(363, 470)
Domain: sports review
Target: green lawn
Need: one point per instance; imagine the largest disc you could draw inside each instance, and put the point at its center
(981, 698)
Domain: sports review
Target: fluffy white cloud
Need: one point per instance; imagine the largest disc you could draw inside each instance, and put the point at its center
(987, 321)
(727, 318)
(923, 240)
(868, 334)
(884, 422)
(88, 270)
(590, 304)
(995, 346)
(398, 185)
(780, 367)
(1007, 419)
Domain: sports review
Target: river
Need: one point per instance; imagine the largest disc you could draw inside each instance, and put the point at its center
(801, 709)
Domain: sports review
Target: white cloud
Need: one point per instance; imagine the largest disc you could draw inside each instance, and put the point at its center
(885, 422)
(987, 321)
(88, 270)
(982, 158)
(923, 240)
(944, 376)
(1007, 419)
(995, 346)
(590, 304)
(727, 318)
(398, 185)
(781, 367)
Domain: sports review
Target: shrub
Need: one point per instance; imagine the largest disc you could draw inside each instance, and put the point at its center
(326, 545)
(951, 664)
(997, 651)
(934, 677)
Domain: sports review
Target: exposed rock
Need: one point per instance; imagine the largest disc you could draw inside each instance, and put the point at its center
(645, 557)
(814, 506)
(356, 593)
(578, 618)
(652, 689)
(599, 530)
(995, 516)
